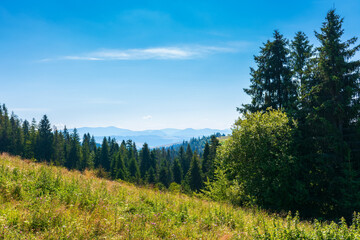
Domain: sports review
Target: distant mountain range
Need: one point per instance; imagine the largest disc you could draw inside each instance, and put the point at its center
(152, 137)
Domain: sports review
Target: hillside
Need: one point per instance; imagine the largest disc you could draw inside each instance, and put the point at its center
(38, 201)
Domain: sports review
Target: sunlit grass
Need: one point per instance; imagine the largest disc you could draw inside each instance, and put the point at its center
(46, 202)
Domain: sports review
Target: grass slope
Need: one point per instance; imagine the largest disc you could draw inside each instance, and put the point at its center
(46, 202)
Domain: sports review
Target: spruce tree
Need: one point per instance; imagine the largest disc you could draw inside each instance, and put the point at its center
(214, 143)
(151, 176)
(67, 145)
(113, 154)
(44, 142)
(329, 149)
(16, 133)
(58, 146)
(125, 155)
(182, 159)
(187, 160)
(145, 160)
(194, 176)
(164, 175)
(301, 63)
(74, 158)
(4, 130)
(177, 171)
(271, 83)
(26, 130)
(206, 160)
(93, 146)
(134, 170)
(121, 172)
(153, 159)
(86, 153)
(105, 155)
(30, 144)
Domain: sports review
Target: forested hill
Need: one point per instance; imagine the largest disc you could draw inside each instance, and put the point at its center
(188, 164)
(196, 144)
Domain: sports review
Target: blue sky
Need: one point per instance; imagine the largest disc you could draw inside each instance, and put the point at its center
(143, 64)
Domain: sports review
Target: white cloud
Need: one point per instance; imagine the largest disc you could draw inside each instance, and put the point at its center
(147, 117)
(37, 110)
(158, 53)
(82, 58)
(104, 101)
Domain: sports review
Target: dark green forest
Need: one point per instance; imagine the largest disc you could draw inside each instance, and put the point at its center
(180, 164)
(295, 146)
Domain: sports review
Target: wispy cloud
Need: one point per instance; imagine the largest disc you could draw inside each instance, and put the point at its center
(157, 53)
(104, 101)
(147, 117)
(30, 110)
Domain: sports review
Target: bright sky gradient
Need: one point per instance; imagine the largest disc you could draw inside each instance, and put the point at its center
(143, 64)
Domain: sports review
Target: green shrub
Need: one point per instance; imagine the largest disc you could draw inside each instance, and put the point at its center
(255, 164)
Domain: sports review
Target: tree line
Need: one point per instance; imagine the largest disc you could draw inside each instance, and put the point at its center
(181, 164)
(297, 144)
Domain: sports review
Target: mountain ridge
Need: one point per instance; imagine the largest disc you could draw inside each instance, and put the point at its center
(154, 137)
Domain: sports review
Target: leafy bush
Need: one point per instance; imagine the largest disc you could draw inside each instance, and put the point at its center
(255, 164)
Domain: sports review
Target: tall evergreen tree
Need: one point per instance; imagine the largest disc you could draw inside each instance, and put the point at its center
(44, 142)
(125, 155)
(86, 153)
(164, 174)
(134, 170)
(177, 171)
(194, 176)
(4, 130)
(67, 145)
(271, 83)
(151, 176)
(301, 63)
(206, 160)
(105, 155)
(74, 158)
(114, 158)
(92, 144)
(214, 143)
(121, 169)
(16, 136)
(26, 130)
(153, 159)
(145, 160)
(58, 146)
(187, 160)
(182, 159)
(30, 144)
(330, 149)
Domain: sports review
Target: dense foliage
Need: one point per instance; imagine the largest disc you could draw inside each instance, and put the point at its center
(305, 155)
(259, 157)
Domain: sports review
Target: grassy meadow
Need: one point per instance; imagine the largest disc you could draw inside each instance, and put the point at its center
(38, 201)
